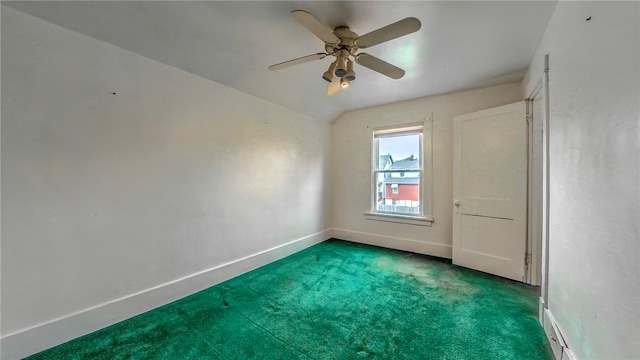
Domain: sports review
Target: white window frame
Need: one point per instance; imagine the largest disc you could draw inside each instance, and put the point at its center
(423, 218)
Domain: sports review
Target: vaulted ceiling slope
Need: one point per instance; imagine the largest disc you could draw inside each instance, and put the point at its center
(461, 45)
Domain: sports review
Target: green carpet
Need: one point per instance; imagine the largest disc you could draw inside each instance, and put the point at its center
(335, 300)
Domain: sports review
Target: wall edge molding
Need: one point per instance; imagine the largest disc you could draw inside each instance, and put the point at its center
(397, 243)
(54, 332)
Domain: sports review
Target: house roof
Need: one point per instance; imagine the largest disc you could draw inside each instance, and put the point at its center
(402, 180)
(383, 160)
(405, 164)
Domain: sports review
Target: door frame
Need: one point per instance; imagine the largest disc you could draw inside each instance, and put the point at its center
(538, 233)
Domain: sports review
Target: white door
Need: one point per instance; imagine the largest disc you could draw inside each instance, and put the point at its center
(490, 190)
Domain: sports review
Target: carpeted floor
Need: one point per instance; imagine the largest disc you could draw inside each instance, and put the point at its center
(335, 300)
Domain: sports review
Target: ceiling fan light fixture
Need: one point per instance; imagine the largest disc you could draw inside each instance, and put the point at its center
(344, 83)
(350, 75)
(341, 68)
(328, 75)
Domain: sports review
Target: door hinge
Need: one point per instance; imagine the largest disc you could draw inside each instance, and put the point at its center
(527, 259)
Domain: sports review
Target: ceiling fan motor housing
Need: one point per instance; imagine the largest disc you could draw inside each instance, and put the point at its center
(347, 41)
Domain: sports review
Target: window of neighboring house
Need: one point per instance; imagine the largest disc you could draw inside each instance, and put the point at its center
(398, 191)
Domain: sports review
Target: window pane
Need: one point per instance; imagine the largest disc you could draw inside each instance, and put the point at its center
(398, 171)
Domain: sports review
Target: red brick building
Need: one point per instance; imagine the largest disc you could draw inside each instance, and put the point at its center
(401, 190)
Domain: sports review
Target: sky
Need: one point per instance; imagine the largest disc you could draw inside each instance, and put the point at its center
(400, 147)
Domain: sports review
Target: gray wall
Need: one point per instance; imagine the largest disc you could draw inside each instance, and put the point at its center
(105, 196)
(594, 247)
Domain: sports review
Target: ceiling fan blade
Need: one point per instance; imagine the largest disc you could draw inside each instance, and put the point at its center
(381, 66)
(389, 32)
(316, 27)
(300, 60)
(334, 86)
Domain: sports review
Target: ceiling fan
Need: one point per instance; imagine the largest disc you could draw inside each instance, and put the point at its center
(342, 43)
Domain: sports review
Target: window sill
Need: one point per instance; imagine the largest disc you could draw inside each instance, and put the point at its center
(401, 219)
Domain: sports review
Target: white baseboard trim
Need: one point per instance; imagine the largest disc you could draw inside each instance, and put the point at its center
(57, 331)
(567, 354)
(541, 307)
(391, 242)
(558, 345)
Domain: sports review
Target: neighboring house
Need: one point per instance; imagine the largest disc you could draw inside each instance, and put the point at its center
(385, 161)
(402, 189)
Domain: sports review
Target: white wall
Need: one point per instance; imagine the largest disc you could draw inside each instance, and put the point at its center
(594, 247)
(351, 167)
(105, 196)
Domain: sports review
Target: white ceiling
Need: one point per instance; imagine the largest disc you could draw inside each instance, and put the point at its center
(461, 45)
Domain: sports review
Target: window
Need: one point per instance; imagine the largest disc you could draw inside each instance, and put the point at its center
(398, 174)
